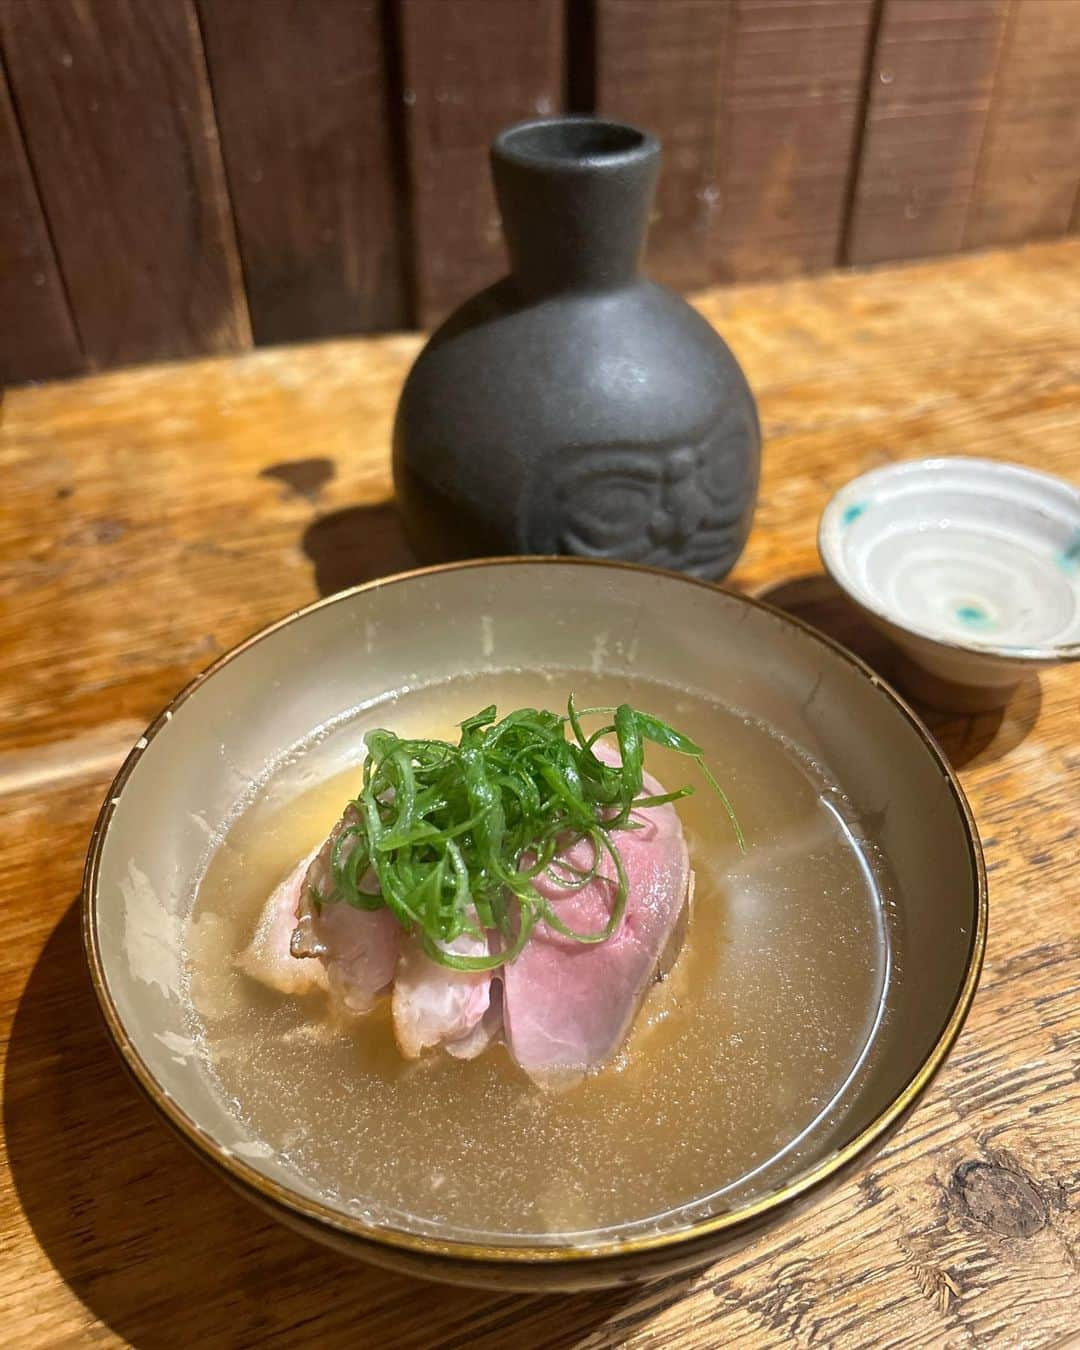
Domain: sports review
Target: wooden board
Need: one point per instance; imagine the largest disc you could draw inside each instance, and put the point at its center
(37, 337)
(662, 67)
(307, 131)
(119, 126)
(470, 68)
(1029, 169)
(798, 134)
(962, 1232)
(758, 104)
(931, 84)
(794, 105)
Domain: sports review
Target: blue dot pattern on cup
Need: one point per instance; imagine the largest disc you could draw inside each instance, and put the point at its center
(973, 616)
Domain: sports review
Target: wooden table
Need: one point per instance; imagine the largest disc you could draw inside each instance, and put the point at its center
(149, 519)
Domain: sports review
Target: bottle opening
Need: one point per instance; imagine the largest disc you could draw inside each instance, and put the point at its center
(568, 141)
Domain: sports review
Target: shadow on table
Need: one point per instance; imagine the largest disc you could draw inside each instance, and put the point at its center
(356, 544)
(166, 1255)
(964, 737)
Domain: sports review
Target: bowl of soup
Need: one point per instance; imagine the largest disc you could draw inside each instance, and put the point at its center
(533, 1090)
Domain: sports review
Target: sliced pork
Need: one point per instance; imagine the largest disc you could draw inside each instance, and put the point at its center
(564, 1007)
(299, 945)
(434, 1005)
(357, 947)
(568, 1006)
(267, 957)
(487, 1030)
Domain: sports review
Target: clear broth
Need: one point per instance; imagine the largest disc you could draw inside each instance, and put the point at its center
(740, 1063)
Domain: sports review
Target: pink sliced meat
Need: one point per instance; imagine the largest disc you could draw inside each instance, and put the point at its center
(299, 945)
(267, 957)
(568, 1006)
(434, 1005)
(564, 1007)
(488, 1029)
(358, 948)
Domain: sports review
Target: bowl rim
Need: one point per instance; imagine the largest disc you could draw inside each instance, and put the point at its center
(247, 1177)
(832, 558)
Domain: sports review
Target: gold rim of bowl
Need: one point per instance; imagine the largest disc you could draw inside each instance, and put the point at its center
(250, 1178)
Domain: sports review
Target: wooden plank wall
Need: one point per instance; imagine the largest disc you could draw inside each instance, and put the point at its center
(1030, 161)
(470, 67)
(930, 89)
(302, 92)
(37, 336)
(759, 104)
(186, 176)
(972, 131)
(119, 126)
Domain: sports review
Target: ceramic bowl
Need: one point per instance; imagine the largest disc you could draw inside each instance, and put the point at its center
(971, 566)
(198, 760)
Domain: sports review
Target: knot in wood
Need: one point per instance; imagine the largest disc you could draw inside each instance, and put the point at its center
(1002, 1200)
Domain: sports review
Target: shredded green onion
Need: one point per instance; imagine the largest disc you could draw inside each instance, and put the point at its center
(457, 835)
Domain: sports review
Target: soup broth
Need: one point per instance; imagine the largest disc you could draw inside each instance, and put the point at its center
(739, 1064)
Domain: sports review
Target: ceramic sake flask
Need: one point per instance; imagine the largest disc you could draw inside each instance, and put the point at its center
(575, 407)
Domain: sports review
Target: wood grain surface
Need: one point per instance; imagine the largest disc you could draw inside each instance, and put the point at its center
(1029, 166)
(470, 69)
(37, 336)
(168, 167)
(758, 104)
(794, 104)
(659, 67)
(150, 519)
(930, 91)
(311, 158)
(116, 112)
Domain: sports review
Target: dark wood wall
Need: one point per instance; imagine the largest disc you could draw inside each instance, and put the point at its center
(190, 176)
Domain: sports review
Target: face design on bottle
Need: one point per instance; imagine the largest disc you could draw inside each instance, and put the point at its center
(683, 506)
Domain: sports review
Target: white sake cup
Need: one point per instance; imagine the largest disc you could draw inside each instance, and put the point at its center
(971, 566)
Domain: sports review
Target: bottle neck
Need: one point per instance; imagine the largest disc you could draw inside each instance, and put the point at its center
(575, 195)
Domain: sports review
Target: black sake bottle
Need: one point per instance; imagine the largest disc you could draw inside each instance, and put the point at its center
(576, 407)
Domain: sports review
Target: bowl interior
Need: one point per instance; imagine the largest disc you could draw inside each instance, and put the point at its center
(177, 793)
(973, 553)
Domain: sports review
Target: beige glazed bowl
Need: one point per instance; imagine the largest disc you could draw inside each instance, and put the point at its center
(183, 781)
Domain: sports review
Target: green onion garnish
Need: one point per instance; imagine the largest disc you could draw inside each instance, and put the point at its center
(456, 835)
